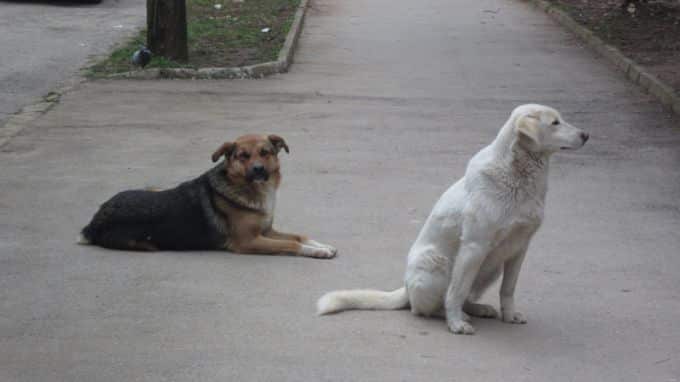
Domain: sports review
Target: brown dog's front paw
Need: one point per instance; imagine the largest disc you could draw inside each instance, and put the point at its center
(316, 244)
(332, 250)
(318, 252)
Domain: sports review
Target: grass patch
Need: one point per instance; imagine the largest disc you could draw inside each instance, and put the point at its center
(225, 36)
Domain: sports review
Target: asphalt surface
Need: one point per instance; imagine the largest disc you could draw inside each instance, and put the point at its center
(386, 102)
(44, 44)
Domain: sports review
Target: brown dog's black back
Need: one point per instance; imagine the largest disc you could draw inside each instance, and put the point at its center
(173, 219)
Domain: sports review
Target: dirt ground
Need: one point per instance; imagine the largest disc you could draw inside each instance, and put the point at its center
(648, 32)
(232, 35)
(221, 33)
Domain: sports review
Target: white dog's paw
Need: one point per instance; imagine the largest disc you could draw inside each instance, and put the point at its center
(514, 318)
(480, 310)
(318, 252)
(459, 326)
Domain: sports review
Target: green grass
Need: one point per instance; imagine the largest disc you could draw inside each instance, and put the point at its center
(226, 37)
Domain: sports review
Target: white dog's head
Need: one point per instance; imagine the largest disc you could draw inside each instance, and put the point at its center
(541, 128)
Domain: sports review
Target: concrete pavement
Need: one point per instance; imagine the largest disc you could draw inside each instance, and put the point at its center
(386, 102)
(44, 44)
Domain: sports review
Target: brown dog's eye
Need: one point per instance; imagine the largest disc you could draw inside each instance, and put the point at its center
(556, 122)
(264, 153)
(244, 156)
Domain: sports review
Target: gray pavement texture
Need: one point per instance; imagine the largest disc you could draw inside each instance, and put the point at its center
(386, 102)
(45, 43)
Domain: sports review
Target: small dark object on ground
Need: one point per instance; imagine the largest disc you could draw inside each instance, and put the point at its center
(141, 57)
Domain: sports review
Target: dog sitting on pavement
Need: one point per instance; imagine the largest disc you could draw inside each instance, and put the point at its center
(479, 229)
(230, 207)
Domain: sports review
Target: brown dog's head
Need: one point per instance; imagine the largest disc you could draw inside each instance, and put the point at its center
(252, 158)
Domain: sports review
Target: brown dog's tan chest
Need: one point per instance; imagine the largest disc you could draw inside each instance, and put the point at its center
(244, 224)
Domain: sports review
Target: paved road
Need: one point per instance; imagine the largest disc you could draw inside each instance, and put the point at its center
(385, 104)
(45, 43)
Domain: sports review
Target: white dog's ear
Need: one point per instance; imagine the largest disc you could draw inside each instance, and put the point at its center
(528, 125)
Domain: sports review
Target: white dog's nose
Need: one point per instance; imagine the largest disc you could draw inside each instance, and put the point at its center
(584, 137)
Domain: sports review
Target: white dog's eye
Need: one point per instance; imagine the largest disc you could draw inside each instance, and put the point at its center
(556, 122)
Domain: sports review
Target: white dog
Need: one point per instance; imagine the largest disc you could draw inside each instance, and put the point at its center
(479, 228)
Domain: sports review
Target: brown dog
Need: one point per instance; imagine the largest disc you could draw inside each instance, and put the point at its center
(229, 207)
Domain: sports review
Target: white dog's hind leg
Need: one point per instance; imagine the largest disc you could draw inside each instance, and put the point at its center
(427, 278)
(441, 313)
(426, 295)
(485, 278)
(487, 275)
(479, 310)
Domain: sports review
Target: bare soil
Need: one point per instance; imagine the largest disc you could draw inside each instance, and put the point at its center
(240, 32)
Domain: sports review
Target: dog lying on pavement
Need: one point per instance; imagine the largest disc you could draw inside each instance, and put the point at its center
(480, 227)
(230, 207)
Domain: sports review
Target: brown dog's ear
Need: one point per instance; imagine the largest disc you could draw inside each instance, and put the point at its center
(226, 149)
(278, 143)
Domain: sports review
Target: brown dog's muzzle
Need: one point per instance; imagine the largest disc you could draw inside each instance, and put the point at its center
(257, 172)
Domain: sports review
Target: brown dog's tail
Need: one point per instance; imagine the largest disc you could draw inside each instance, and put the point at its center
(362, 299)
(86, 236)
(83, 240)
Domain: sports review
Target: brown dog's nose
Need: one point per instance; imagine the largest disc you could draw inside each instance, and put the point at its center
(258, 169)
(258, 172)
(585, 137)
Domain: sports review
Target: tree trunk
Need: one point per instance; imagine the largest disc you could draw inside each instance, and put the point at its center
(166, 22)
(626, 3)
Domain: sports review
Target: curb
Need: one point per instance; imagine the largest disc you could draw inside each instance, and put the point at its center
(284, 60)
(636, 73)
(29, 113)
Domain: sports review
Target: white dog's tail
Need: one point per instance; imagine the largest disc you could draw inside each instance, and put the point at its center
(362, 299)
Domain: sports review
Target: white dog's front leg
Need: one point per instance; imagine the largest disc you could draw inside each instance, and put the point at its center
(465, 269)
(507, 292)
